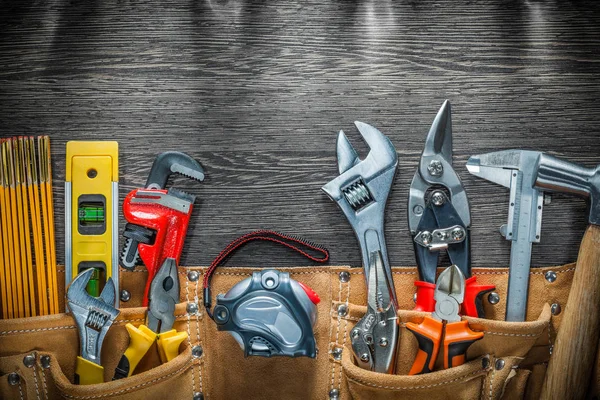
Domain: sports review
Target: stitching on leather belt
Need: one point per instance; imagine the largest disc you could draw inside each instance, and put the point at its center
(535, 335)
(361, 382)
(345, 335)
(336, 337)
(20, 390)
(187, 298)
(198, 339)
(35, 381)
(36, 330)
(44, 383)
(492, 381)
(130, 389)
(550, 345)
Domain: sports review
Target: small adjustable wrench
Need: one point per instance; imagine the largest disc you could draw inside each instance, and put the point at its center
(361, 191)
(93, 317)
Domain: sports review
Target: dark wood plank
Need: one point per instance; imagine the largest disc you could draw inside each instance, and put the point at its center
(257, 92)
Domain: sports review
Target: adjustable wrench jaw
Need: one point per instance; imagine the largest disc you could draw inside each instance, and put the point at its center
(93, 315)
(362, 188)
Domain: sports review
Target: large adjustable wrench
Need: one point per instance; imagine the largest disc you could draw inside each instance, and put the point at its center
(361, 191)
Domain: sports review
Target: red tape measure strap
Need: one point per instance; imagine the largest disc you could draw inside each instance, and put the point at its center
(302, 246)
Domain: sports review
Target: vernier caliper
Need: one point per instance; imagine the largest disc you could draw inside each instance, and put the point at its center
(516, 170)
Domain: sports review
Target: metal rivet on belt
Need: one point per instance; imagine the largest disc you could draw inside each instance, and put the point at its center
(198, 396)
(45, 361)
(337, 353)
(550, 276)
(493, 298)
(197, 351)
(485, 362)
(342, 310)
(499, 364)
(334, 394)
(344, 276)
(125, 295)
(193, 276)
(192, 308)
(555, 309)
(13, 379)
(29, 360)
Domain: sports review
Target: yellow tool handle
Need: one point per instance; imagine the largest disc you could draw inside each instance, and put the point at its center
(87, 372)
(168, 344)
(140, 340)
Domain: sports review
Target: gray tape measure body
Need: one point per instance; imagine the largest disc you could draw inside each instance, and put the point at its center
(269, 314)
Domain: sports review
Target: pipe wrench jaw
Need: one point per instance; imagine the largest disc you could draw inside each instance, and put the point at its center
(173, 162)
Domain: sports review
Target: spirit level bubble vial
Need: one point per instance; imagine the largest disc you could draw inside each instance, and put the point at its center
(91, 212)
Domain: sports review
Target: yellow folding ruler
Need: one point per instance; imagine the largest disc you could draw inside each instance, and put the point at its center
(91, 212)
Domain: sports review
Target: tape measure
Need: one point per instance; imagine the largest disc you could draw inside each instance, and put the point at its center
(270, 314)
(91, 212)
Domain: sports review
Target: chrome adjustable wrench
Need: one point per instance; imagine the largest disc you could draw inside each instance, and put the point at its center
(93, 317)
(361, 191)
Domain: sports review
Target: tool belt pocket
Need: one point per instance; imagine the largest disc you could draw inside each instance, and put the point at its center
(498, 366)
(45, 350)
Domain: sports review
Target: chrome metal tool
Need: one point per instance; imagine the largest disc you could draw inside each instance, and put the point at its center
(361, 191)
(374, 337)
(93, 317)
(515, 169)
(439, 218)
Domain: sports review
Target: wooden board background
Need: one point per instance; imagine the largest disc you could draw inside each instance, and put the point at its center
(256, 91)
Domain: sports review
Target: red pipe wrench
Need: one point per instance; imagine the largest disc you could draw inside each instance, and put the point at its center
(157, 218)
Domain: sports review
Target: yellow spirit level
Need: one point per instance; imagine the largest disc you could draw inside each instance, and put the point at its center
(91, 212)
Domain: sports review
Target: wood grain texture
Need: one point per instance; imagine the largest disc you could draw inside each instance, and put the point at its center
(574, 351)
(256, 91)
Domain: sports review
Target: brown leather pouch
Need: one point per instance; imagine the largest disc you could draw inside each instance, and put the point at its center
(508, 363)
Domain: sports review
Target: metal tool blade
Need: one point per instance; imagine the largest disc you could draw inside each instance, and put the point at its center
(108, 294)
(346, 155)
(439, 138)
